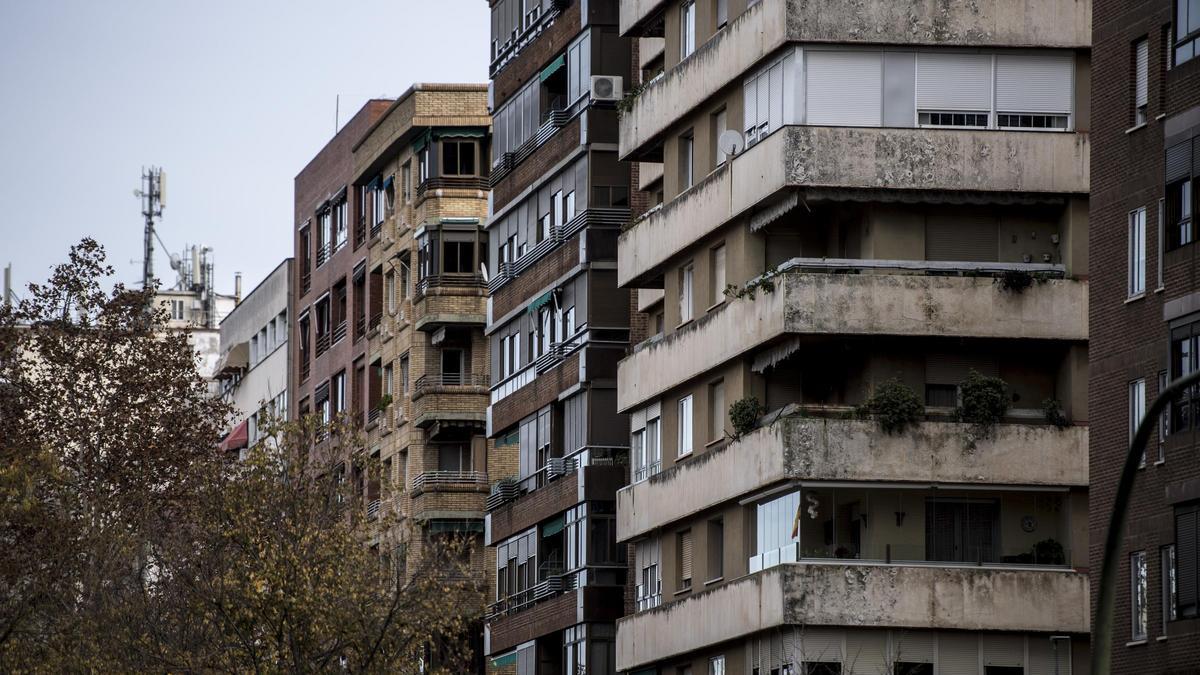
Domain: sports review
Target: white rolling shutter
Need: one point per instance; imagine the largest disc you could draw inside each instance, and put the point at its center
(1034, 83)
(844, 88)
(958, 653)
(821, 645)
(866, 652)
(1143, 73)
(1003, 650)
(954, 81)
(912, 646)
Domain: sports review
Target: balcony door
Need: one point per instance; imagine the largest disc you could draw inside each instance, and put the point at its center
(962, 530)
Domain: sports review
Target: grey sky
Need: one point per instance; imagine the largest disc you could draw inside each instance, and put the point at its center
(231, 97)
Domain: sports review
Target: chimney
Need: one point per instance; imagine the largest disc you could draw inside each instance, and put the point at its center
(237, 288)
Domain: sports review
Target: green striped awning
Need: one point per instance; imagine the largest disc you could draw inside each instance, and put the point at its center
(554, 527)
(456, 526)
(541, 301)
(509, 659)
(460, 132)
(553, 67)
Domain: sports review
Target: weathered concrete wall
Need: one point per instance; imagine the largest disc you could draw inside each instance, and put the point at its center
(858, 595)
(857, 450)
(649, 172)
(862, 159)
(853, 304)
(1009, 23)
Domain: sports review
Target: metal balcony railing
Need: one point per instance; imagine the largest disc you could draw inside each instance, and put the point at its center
(360, 231)
(453, 183)
(445, 280)
(376, 318)
(432, 380)
(553, 583)
(339, 332)
(599, 217)
(322, 343)
(305, 366)
(434, 479)
(360, 327)
(305, 282)
(373, 508)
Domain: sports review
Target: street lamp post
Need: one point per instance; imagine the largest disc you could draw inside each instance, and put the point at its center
(1103, 632)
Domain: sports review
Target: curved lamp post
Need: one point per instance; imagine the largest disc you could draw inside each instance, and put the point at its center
(1102, 633)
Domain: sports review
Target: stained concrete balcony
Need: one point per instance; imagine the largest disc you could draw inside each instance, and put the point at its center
(767, 26)
(817, 449)
(820, 161)
(878, 596)
(854, 304)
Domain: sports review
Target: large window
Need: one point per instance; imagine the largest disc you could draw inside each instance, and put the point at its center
(1187, 29)
(579, 68)
(646, 442)
(1136, 270)
(764, 95)
(1138, 610)
(777, 531)
(649, 581)
(687, 29)
(683, 559)
(516, 121)
(458, 157)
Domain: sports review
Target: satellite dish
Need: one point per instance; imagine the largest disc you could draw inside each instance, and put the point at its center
(484, 272)
(175, 262)
(731, 142)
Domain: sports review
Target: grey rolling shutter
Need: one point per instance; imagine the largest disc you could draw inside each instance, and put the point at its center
(958, 653)
(913, 646)
(954, 81)
(821, 644)
(685, 556)
(1003, 650)
(866, 650)
(844, 88)
(1044, 659)
(967, 238)
(1196, 156)
(1142, 72)
(1034, 83)
(1187, 557)
(1179, 161)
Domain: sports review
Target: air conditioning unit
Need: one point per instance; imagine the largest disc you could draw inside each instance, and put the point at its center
(607, 87)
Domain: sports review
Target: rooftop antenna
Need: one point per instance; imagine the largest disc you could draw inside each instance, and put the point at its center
(152, 193)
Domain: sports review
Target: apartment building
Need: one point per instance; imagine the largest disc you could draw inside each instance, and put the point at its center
(557, 325)
(420, 182)
(853, 200)
(255, 361)
(1145, 322)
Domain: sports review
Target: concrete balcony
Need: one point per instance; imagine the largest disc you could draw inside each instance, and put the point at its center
(451, 303)
(878, 596)
(767, 26)
(817, 449)
(449, 397)
(854, 304)
(820, 161)
(449, 495)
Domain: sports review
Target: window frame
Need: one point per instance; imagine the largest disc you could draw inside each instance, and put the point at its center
(1135, 271)
(687, 29)
(1139, 615)
(1137, 410)
(685, 426)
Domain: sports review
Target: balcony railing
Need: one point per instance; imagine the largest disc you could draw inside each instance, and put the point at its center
(323, 252)
(360, 327)
(435, 479)
(339, 332)
(915, 555)
(643, 472)
(552, 121)
(467, 279)
(599, 217)
(434, 380)
(509, 489)
(373, 508)
(533, 23)
(376, 228)
(452, 183)
(305, 282)
(360, 231)
(553, 583)
(305, 366)
(322, 343)
(376, 318)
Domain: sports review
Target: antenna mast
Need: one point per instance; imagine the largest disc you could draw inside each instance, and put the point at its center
(152, 192)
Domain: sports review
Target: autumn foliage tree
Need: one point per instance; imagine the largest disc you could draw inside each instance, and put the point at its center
(129, 544)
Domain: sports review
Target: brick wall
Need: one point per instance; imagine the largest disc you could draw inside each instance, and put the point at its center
(1128, 340)
(529, 172)
(543, 391)
(534, 57)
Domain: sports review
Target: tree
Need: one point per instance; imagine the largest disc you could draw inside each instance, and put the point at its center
(128, 543)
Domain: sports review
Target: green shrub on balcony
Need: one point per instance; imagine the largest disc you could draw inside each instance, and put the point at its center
(895, 406)
(1055, 414)
(744, 415)
(983, 401)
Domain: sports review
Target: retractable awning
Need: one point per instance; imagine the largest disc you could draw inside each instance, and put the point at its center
(540, 302)
(549, 70)
(554, 527)
(237, 439)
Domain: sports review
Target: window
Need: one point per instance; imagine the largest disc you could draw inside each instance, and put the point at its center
(405, 273)
(763, 99)
(1179, 214)
(389, 291)
(1137, 252)
(1032, 121)
(683, 558)
(1187, 561)
(716, 665)
(977, 120)
(722, 18)
(1164, 420)
(458, 158)
(342, 221)
(177, 310)
(719, 125)
(579, 68)
(716, 549)
(1141, 75)
(687, 29)
(1185, 359)
(389, 374)
(423, 164)
(404, 374)
(604, 196)
(686, 156)
(649, 584)
(556, 206)
(1138, 614)
(717, 274)
(452, 366)
(378, 207)
(454, 457)
(325, 232)
(1166, 556)
(406, 182)
(1187, 29)
(913, 668)
(1137, 409)
(685, 427)
(716, 410)
(776, 531)
(458, 257)
(685, 293)
(338, 391)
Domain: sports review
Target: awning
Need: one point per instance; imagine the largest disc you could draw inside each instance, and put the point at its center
(421, 142)
(774, 212)
(374, 184)
(237, 358)
(554, 527)
(541, 301)
(237, 439)
(387, 182)
(770, 357)
(549, 70)
(509, 659)
(459, 132)
(455, 526)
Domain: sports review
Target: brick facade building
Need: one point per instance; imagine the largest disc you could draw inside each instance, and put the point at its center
(1145, 318)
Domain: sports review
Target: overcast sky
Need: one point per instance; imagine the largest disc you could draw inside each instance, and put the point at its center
(231, 97)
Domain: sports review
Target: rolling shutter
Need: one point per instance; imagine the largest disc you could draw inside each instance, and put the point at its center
(1034, 83)
(1003, 650)
(958, 653)
(867, 652)
(1187, 556)
(1179, 161)
(913, 646)
(1045, 659)
(844, 88)
(1143, 71)
(1196, 156)
(821, 645)
(954, 81)
(685, 556)
(969, 238)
